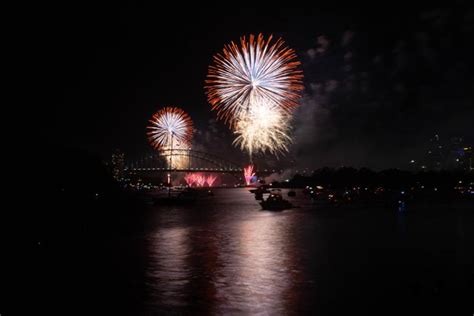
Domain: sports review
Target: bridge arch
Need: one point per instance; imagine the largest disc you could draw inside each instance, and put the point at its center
(158, 161)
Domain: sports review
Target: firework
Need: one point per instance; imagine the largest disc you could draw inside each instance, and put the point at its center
(210, 179)
(174, 157)
(256, 69)
(263, 128)
(170, 127)
(248, 174)
(200, 180)
(189, 178)
(254, 87)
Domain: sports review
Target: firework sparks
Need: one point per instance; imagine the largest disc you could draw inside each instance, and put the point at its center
(248, 174)
(170, 127)
(256, 69)
(175, 156)
(189, 178)
(210, 179)
(263, 128)
(254, 87)
(200, 180)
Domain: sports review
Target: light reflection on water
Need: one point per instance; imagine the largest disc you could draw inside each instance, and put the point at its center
(222, 256)
(226, 256)
(168, 259)
(257, 267)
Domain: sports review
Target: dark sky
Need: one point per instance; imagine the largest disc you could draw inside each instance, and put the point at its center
(379, 81)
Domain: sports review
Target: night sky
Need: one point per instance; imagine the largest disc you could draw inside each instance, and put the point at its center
(379, 82)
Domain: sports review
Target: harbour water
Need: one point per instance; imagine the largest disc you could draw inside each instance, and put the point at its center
(224, 255)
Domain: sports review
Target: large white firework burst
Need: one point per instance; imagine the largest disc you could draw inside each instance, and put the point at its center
(170, 127)
(257, 68)
(254, 87)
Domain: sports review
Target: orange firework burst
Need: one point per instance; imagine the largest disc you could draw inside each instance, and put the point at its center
(170, 127)
(256, 70)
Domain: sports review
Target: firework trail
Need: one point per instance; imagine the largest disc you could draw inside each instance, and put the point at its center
(189, 178)
(200, 180)
(258, 77)
(210, 179)
(178, 160)
(248, 174)
(170, 127)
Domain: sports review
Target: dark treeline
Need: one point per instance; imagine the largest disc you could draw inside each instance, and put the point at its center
(390, 178)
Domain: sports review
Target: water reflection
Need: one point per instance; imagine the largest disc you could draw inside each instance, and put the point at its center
(225, 256)
(220, 260)
(168, 272)
(255, 266)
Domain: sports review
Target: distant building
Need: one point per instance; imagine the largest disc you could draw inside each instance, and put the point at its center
(118, 165)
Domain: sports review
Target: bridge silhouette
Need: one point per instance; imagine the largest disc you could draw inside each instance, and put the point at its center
(195, 161)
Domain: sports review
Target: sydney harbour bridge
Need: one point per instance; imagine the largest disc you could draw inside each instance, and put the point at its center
(187, 160)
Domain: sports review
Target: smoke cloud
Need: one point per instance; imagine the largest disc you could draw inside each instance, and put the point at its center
(379, 109)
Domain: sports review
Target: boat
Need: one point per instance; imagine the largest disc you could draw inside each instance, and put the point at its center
(275, 202)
